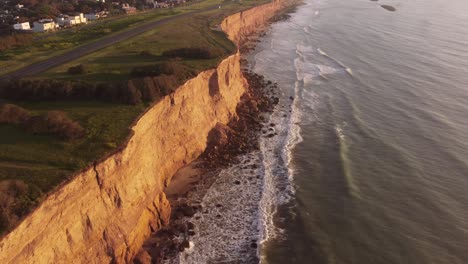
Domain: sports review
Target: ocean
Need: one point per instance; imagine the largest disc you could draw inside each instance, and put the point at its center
(369, 163)
(377, 135)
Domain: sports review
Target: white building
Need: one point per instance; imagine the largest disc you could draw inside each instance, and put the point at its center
(44, 25)
(66, 20)
(161, 5)
(22, 26)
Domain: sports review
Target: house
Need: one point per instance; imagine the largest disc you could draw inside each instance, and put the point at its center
(161, 5)
(128, 9)
(150, 3)
(22, 26)
(44, 25)
(66, 20)
(102, 14)
(92, 16)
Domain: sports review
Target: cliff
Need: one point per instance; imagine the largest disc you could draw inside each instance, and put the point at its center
(105, 213)
(243, 24)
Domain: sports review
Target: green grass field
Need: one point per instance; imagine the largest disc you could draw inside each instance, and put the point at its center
(43, 161)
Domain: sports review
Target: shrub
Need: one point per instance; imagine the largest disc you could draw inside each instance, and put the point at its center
(82, 91)
(12, 114)
(40, 90)
(160, 79)
(146, 53)
(194, 53)
(55, 122)
(13, 202)
(15, 40)
(78, 69)
(167, 68)
(150, 92)
(166, 84)
(131, 94)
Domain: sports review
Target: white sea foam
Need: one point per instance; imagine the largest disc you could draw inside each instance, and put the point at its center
(339, 132)
(228, 222)
(346, 68)
(321, 52)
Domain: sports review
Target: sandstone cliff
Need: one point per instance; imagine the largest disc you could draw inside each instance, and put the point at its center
(105, 213)
(243, 24)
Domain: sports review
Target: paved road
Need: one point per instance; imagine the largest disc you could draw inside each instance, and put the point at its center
(94, 46)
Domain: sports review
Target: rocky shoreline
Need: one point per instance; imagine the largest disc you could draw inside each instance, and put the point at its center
(226, 143)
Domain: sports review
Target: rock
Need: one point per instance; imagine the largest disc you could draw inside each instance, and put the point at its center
(253, 245)
(190, 225)
(237, 182)
(218, 136)
(177, 215)
(172, 246)
(389, 8)
(143, 257)
(181, 228)
(185, 244)
(218, 205)
(188, 211)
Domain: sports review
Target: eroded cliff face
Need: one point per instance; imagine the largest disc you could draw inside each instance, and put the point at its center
(243, 24)
(104, 214)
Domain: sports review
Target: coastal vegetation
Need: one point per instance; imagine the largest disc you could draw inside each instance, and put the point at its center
(15, 40)
(97, 98)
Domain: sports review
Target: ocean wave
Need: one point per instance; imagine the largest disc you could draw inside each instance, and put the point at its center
(351, 187)
(346, 68)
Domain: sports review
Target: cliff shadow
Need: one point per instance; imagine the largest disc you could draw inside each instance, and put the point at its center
(213, 85)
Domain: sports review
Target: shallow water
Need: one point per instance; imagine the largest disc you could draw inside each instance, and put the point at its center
(371, 165)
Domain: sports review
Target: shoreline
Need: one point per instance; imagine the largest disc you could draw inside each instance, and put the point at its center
(227, 147)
